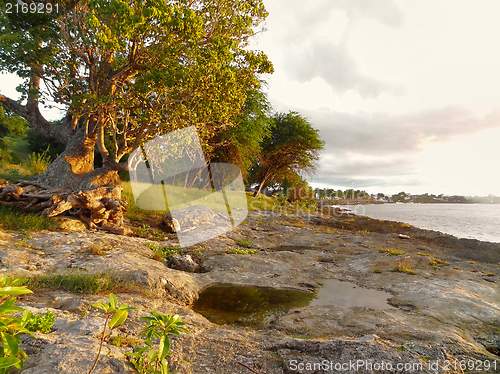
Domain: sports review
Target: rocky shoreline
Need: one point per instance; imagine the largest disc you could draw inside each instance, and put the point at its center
(444, 303)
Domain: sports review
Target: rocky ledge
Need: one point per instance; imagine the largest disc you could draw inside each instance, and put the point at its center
(443, 307)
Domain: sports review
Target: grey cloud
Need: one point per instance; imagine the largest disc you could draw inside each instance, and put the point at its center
(308, 57)
(384, 11)
(335, 66)
(383, 135)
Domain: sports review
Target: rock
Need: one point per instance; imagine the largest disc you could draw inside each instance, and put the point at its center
(401, 236)
(184, 263)
(193, 216)
(69, 224)
(169, 224)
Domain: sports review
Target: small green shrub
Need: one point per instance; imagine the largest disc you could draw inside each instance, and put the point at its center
(41, 322)
(149, 360)
(436, 263)
(38, 162)
(392, 251)
(164, 252)
(243, 242)
(241, 251)
(115, 316)
(402, 267)
(12, 327)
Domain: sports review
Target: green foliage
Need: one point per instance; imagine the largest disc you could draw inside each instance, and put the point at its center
(38, 162)
(11, 219)
(12, 327)
(115, 316)
(436, 263)
(241, 251)
(243, 242)
(41, 322)
(292, 147)
(38, 142)
(240, 144)
(10, 125)
(392, 251)
(79, 282)
(150, 360)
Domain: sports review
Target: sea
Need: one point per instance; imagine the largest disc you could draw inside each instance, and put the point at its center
(472, 221)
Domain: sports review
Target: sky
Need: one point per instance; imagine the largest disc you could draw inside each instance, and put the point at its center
(405, 94)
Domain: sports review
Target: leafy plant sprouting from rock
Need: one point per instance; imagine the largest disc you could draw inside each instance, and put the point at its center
(115, 315)
(147, 359)
(41, 322)
(11, 327)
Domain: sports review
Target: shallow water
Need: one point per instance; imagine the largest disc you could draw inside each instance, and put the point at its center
(335, 292)
(257, 306)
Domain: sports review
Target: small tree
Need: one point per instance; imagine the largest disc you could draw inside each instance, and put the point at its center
(292, 147)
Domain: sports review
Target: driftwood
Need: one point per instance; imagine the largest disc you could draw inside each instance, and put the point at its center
(100, 207)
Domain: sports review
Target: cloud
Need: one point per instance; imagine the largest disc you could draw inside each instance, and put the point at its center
(306, 40)
(379, 134)
(335, 65)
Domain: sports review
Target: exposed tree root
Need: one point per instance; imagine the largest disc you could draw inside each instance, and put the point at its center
(100, 207)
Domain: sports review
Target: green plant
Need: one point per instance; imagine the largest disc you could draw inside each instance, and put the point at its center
(401, 348)
(402, 267)
(423, 254)
(41, 322)
(38, 162)
(79, 282)
(25, 234)
(241, 251)
(11, 219)
(143, 230)
(149, 360)
(392, 251)
(11, 327)
(165, 252)
(243, 242)
(435, 262)
(115, 316)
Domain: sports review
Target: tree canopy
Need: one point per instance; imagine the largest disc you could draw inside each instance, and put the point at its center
(130, 70)
(292, 147)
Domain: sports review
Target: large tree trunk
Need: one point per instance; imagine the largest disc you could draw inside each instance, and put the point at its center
(68, 168)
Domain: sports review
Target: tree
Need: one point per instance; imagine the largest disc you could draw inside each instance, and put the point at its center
(240, 144)
(10, 125)
(130, 71)
(291, 148)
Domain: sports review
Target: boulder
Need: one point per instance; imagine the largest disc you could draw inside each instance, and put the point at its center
(169, 224)
(193, 216)
(184, 263)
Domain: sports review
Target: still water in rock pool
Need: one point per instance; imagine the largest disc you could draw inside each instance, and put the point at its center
(257, 306)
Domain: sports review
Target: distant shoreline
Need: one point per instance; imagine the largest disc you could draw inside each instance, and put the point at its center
(326, 202)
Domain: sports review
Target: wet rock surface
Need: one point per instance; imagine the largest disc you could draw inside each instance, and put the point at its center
(444, 299)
